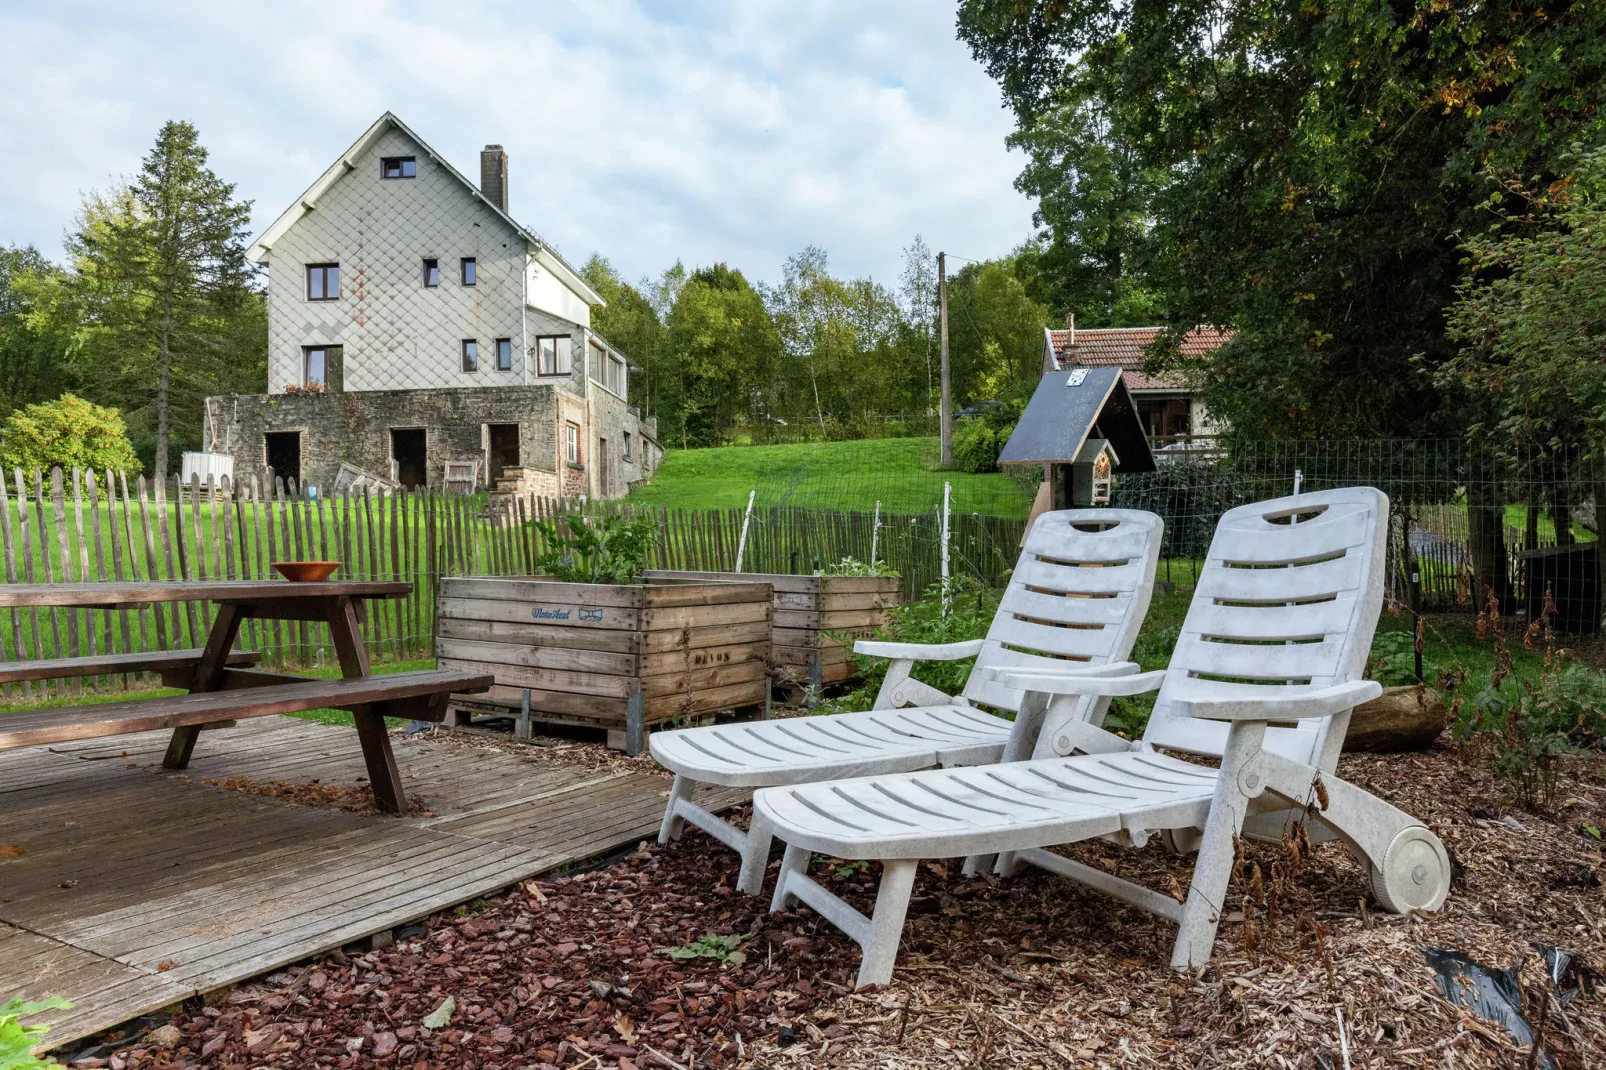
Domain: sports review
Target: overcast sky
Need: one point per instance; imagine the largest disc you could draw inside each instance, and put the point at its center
(738, 131)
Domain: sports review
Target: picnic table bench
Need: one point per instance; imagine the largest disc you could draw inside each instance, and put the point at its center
(222, 685)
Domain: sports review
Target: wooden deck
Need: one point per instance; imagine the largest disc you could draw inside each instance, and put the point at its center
(139, 887)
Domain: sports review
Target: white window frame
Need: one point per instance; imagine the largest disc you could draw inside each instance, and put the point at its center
(571, 442)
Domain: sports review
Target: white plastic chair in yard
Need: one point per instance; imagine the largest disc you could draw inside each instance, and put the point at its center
(1074, 605)
(1278, 633)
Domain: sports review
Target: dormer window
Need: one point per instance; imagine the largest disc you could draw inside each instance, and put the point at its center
(398, 167)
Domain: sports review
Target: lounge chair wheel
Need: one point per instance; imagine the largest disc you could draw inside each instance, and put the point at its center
(1180, 841)
(1415, 874)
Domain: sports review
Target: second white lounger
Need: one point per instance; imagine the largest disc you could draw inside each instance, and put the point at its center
(1278, 634)
(1074, 604)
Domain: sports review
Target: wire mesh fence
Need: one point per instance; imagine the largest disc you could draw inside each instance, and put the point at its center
(1465, 521)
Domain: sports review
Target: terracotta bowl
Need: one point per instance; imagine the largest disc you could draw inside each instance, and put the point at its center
(306, 571)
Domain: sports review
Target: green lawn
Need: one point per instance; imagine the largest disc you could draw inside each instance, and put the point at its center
(1516, 516)
(849, 476)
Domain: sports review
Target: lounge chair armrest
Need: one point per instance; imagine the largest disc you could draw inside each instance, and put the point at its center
(1121, 678)
(920, 651)
(1323, 703)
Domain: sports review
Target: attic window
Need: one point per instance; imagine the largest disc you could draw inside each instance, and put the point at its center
(398, 167)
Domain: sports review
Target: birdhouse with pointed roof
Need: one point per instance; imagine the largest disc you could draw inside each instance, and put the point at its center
(1082, 427)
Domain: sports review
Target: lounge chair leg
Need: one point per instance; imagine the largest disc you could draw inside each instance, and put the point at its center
(1212, 872)
(755, 857)
(886, 924)
(976, 865)
(674, 823)
(795, 860)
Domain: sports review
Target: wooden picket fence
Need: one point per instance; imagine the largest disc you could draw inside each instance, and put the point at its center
(85, 526)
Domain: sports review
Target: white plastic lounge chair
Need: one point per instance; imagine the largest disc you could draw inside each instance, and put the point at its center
(1080, 592)
(1278, 633)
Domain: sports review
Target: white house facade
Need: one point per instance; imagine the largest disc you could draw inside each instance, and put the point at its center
(392, 279)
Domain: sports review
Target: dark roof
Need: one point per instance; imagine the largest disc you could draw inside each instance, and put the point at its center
(1070, 407)
(1123, 347)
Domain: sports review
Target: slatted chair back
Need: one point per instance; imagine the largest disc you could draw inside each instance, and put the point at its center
(1287, 601)
(1078, 595)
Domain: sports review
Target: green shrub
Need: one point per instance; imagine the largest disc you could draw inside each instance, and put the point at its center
(69, 432)
(976, 447)
(1532, 728)
(16, 1039)
(608, 550)
(971, 604)
(1393, 660)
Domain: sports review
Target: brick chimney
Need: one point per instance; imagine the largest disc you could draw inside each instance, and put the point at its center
(493, 175)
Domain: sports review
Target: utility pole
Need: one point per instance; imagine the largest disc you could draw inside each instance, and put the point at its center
(946, 418)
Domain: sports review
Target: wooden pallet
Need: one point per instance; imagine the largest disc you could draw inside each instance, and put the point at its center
(138, 888)
(810, 613)
(619, 657)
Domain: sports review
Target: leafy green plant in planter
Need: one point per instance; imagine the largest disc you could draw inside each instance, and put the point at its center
(852, 566)
(17, 1039)
(607, 550)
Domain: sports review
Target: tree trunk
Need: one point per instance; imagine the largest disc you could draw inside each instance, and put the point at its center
(1530, 534)
(1561, 516)
(162, 383)
(1486, 536)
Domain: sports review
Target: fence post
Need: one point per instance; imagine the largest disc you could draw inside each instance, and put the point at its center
(947, 595)
(875, 531)
(747, 518)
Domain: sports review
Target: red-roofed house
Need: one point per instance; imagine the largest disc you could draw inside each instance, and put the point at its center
(1169, 409)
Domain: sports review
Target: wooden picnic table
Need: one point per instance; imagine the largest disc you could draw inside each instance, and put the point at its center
(215, 668)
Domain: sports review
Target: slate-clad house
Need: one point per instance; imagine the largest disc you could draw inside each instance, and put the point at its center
(413, 322)
(1168, 407)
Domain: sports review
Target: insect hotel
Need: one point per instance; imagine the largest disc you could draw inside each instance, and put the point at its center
(1083, 428)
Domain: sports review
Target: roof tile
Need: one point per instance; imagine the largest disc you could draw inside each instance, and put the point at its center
(1124, 346)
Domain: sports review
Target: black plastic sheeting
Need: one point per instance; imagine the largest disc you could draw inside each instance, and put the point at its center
(1496, 995)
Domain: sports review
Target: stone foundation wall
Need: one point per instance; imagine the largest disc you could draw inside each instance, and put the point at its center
(355, 427)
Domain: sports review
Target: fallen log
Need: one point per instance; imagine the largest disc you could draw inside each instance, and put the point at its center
(1399, 720)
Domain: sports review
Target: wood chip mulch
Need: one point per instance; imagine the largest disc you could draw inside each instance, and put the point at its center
(572, 972)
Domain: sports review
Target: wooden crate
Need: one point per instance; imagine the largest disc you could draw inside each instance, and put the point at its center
(807, 607)
(619, 657)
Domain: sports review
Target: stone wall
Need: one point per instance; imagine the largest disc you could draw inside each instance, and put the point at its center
(355, 428)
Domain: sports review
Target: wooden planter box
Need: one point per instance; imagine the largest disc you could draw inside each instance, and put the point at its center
(806, 607)
(622, 658)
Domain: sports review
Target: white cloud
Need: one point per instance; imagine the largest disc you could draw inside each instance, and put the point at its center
(650, 130)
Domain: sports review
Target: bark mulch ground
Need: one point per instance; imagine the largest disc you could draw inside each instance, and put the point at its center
(655, 962)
